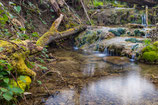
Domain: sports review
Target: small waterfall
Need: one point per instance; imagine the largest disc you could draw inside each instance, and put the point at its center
(144, 24)
(75, 48)
(132, 58)
(106, 51)
(144, 20)
(102, 54)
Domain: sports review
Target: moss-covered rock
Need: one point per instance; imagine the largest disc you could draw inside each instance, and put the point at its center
(16, 52)
(151, 56)
(155, 44)
(149, 48)
(87, 37)
(150, 53)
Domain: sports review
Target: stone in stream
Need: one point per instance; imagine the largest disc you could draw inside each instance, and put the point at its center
(116, 60)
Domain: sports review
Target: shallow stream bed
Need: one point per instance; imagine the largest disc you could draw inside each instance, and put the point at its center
(83, 78)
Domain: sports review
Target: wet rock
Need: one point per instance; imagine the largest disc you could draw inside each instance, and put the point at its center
(112, 16)
(116, 60)
(142, 2)
(153, 34)
(119, 46)
(135, 25)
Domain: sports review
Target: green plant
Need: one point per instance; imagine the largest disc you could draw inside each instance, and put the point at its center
(22, 35)
(133, 40)
(35, 34)
(44, 53)
(118, 32)
(7, 91)
(39, 82)
(42, 21)
(97, 3)
(147, 42)
(138, 33)
(17, 9)
(42, 67)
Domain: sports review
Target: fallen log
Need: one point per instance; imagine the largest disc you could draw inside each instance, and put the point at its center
(16, 52)
(53, 34)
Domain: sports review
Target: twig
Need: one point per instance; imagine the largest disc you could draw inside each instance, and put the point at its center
(85, 11)
(46, 89)
(59, 74)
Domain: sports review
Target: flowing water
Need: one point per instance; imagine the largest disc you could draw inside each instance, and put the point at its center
(126, 87)
(144, 20)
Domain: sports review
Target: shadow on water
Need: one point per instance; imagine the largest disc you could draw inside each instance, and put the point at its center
(129, 88)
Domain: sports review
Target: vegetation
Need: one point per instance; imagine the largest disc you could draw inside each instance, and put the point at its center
(118, 32)
(134, 40)
(97, 3)
(150, 52)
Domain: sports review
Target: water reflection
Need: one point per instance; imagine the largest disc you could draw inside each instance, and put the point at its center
(93, 61)
(126, 89)
(129, 89)
(89, 69)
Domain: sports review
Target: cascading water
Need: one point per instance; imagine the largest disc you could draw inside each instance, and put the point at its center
(144, 20)
(132, 58)
(144, 24)
(106, 51)
(103, 54)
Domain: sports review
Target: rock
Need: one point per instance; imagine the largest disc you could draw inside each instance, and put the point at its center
(135, 25)
(153, 34)
(142, 2)
(112, 16)
(116, 60)
(108, 35)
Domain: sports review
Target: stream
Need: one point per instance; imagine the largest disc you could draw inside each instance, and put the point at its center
(113, 85)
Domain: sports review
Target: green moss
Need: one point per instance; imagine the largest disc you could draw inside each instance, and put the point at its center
(155, 44)
(149, 48)
(97, 3)
(151, 56)
(15, 53)
(118, 32)
(133, 40)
